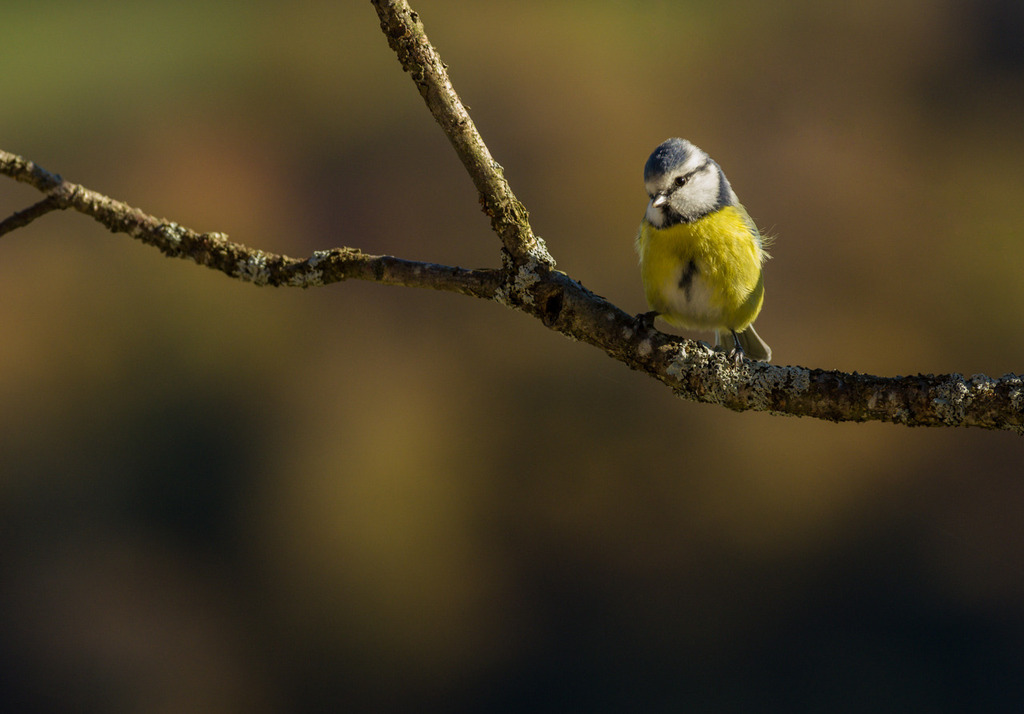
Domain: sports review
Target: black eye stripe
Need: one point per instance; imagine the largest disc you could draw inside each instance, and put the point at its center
(681, 181)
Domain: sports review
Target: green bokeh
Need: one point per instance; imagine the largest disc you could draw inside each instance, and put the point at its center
(225, 498)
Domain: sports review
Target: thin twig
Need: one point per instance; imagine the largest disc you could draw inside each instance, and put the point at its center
(509, 218)
(26, 216)
(216, 251)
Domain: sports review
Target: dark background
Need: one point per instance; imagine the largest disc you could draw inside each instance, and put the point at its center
(217, 497)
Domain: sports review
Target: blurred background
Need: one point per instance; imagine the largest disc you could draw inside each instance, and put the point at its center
(217, 497)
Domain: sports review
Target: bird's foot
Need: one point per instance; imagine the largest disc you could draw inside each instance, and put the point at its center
(736, 354)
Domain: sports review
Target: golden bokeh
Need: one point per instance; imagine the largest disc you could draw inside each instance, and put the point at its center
(234, 498)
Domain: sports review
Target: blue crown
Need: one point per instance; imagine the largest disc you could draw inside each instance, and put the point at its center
(668, 155)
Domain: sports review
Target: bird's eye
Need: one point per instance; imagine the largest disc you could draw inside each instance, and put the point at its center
(681, 180)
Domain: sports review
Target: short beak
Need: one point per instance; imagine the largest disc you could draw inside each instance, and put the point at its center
(659, 200)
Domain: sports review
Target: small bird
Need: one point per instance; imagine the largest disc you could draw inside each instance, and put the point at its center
(700, 253)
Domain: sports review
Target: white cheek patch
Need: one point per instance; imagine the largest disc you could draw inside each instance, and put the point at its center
(656, 215)
(698, 197)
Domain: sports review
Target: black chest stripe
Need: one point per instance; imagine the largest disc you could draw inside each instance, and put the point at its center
(686, 279)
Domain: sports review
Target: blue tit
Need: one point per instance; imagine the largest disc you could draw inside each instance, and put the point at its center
(700, 253)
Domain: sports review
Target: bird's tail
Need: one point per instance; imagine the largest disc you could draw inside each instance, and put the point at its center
(750, 342)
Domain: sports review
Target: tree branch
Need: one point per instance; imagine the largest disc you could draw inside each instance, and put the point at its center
(23, 218)
(527, 281)
(214, 250)
(509, 218)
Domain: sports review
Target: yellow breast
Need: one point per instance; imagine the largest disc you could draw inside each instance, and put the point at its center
(705, 274)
